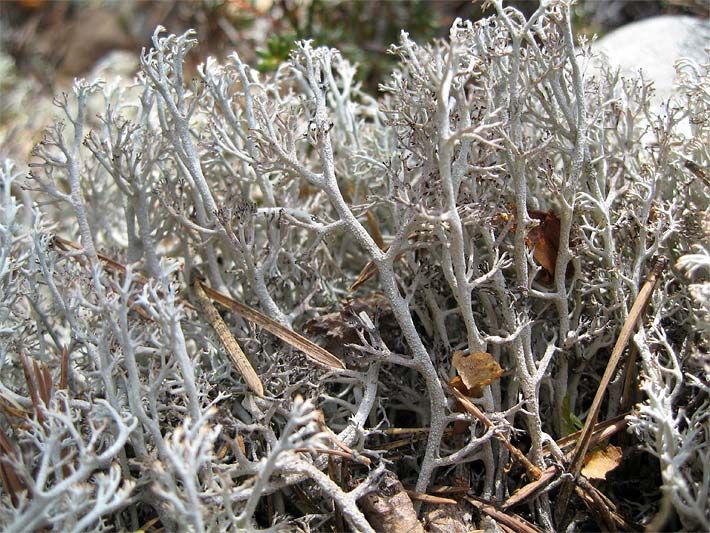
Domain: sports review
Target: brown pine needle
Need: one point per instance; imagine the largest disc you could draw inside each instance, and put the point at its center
(337, 453)
(228, 341)
(375, 231)
(404, 431)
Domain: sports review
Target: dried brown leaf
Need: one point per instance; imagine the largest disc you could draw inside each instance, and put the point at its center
(476, 370)
(599, 463)
(545, 240)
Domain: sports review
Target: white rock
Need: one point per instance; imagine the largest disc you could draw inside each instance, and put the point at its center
(654, 45)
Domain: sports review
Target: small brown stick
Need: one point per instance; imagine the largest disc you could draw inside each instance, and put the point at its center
(533, 471)
(336, 453)
(228, 341)
(637, 311)
(602, 508)
(512, 521)
(532, 489)
(602, 431)
(429, 498)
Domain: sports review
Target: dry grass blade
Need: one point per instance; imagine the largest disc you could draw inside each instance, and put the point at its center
(637, 311)
(228, 341)
(311, 349)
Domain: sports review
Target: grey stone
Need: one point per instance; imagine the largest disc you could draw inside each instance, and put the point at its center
(654, 45)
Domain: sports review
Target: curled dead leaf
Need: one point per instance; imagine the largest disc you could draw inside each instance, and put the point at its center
(476, 370)
(544, 239)
(598, 463)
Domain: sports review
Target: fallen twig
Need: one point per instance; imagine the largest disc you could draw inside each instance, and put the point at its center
(532, 489)
(637, 311)
(600, 432)
(510, 520)
(429, 498)
(533, 471)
